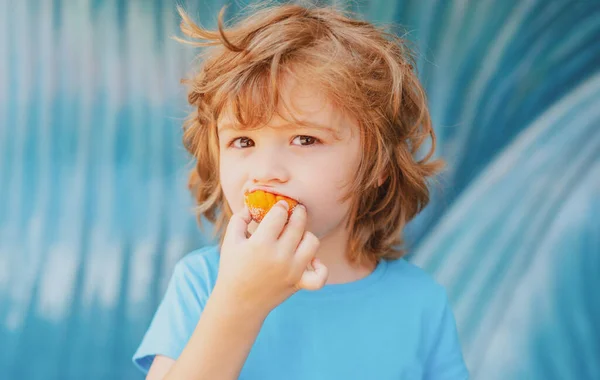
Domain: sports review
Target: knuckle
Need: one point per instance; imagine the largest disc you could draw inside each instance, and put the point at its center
(256, 242)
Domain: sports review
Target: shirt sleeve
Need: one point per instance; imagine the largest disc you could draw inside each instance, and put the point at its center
(445, 360)
(175, 319)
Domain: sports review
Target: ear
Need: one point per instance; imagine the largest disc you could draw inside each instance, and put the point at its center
(382, 178)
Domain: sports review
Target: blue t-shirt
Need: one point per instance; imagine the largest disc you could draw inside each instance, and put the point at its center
(396, 323)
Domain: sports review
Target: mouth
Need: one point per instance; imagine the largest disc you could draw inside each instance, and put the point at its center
(268, 190)
(260, 200)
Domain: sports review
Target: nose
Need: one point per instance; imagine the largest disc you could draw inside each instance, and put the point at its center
(268, 165)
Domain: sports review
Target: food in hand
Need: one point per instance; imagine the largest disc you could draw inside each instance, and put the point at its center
(259, 202)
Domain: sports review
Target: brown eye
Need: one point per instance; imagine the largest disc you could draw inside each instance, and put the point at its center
(244, 142)
(306, 140)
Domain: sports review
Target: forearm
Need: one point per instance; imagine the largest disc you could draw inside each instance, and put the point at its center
(221, 342)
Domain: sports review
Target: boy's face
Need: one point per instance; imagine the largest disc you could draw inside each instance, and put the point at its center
(310, 164)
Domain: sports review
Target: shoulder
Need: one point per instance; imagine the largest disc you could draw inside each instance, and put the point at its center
(198, 269)
(405, 272)
(190, 285)
(422, 287)
(200, 259)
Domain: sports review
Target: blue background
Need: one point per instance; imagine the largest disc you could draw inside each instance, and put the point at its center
(94, 210)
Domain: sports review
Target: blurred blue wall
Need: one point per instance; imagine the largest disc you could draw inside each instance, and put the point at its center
(94, 210)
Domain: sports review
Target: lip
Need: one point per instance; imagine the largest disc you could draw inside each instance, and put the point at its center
(268, 190)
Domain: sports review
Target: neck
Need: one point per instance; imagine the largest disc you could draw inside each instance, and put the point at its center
(333, 252)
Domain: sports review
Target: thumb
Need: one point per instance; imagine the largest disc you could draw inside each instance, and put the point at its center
(238, 224)
(314, 280)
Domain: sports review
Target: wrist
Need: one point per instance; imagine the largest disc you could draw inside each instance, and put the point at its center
(237, 307)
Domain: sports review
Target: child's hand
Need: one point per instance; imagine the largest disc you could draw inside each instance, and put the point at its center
(264, 270)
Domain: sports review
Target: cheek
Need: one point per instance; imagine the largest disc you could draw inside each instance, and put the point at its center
(322, 200)
(324, 217)
(327, 185)
(331, 181)
(229, 177)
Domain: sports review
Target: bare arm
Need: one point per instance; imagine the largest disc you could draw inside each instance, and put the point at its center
(221, 342)
(255, 275)
(159, 368)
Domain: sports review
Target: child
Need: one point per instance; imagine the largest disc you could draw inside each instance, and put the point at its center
(318, 106)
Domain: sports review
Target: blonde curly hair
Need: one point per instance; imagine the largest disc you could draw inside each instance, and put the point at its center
(364, 70)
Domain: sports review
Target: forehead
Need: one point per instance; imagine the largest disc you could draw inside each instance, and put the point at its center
(306, 107)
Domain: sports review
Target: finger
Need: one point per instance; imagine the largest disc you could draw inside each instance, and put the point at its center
(238, 224)
(273, 222)
(314, 280)
(294, 230)
(306, 251)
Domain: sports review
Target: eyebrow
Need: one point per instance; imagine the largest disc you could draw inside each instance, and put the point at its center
(308, 124)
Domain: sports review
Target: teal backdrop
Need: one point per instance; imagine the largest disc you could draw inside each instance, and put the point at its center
(94, 211)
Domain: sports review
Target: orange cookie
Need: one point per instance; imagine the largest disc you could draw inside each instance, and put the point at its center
(259, 202)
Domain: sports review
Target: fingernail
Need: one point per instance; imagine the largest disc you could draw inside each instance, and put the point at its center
(284, 204)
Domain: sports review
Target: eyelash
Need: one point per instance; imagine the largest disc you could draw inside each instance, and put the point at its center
(316, 141)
